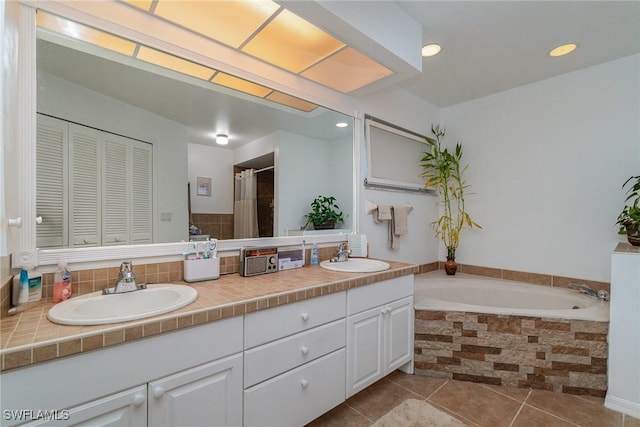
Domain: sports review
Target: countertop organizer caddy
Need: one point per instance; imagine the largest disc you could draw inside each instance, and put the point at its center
(202, 262)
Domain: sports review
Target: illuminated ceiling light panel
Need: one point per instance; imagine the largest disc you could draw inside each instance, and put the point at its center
(229, 22)
(347, 71)
(292, 43)
(242, 85)
(431, 50)
(174, 63)
(140, 4)
(291, 101)
(84, 33)
(565, 49)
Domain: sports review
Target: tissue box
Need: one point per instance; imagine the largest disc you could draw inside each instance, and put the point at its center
(196, 270)
(290, 258)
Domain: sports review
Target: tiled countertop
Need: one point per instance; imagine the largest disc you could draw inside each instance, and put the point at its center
(29, 337)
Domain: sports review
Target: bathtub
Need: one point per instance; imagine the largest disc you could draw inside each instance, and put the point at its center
(485, 295)
(500, 332)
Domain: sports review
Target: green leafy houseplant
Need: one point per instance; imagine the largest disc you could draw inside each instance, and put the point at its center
(629, 218)
(325, 213)
(443, 171)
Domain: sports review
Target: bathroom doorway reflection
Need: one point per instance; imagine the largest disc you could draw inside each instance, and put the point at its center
(254, 200)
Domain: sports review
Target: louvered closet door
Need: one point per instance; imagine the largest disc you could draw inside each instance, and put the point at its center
(116, 189)
(84, 186)
(51, 182)
(141, 192)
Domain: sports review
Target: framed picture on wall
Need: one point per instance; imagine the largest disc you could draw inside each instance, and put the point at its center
(204, 186)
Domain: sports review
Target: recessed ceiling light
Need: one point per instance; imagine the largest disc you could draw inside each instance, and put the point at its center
(222, 139)
(563, 50)
(342, 124)
(431, 50)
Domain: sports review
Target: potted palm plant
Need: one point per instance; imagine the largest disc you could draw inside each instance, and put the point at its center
(629, 218)
(443, 171)
(325, 213)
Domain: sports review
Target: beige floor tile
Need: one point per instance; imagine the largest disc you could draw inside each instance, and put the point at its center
(631, 422)
(476, 403)
(379, 398)
(341, 416)
(419, 384)
(519, 394)
(575, 409)
(532, 417)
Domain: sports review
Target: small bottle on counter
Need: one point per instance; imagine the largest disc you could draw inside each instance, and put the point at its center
(61, 283)
(314, 254)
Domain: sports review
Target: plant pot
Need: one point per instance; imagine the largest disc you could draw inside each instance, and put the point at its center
(450, 267)
(326, 226)
(633, 234)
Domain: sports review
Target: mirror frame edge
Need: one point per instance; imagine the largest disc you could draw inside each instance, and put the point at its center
(27, 252)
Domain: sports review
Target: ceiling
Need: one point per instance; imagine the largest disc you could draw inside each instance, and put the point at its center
(492, 46)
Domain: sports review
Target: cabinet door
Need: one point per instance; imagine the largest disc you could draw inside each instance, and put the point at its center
(398, 334)
(124, 409)
(365, 335)
(116, 187)
(208, 395)
(85, 164)
(52, 143)
(141, 192)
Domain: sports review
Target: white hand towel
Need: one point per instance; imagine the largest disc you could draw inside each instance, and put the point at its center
(383, 213)
(400, 223)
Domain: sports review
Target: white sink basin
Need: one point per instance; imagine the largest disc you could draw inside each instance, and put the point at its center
(356, 265)
(98, 309)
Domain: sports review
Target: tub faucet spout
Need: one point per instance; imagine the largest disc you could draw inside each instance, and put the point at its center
(600, 294)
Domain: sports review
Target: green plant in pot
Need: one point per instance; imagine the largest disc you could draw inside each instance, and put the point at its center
(325, 213)
(443, 171)
(629, 218)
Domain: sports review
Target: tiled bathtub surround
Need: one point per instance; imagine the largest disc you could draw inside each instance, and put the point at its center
(568, 356)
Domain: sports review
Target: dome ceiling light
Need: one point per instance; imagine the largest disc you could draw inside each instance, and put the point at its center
(562, 50)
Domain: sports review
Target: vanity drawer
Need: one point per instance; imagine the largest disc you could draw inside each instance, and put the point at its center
(271, 324)
(366, 297)
(298, 396)
(274, 358)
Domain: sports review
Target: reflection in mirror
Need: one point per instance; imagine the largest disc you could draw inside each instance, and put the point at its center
(126, 153)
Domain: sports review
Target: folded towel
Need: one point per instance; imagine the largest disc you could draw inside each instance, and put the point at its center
(400, 220)
(383, 213)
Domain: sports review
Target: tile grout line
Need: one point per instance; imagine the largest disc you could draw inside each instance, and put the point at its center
(515, 417)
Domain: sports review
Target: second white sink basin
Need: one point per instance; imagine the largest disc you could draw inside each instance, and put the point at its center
(98, 309)
(356, 265)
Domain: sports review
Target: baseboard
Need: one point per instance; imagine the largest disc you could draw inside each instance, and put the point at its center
(622, 405)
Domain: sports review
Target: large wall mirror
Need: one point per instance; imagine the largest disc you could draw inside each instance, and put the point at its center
(181, 181)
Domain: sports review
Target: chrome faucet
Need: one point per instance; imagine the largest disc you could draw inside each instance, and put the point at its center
(126, 281)
(584, 289)
(342, 254)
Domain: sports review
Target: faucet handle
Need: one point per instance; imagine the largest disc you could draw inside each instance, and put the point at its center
(126, 266)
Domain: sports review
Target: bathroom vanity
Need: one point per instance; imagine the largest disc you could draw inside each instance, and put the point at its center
(312, 340)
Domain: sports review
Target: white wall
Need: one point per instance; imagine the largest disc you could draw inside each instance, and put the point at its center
(547, 161)
(215, 163)
(68, 101)
(341, 178)
(403, 109)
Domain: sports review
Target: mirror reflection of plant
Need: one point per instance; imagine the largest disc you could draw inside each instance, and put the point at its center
(629, 218)
(443, 171)
(324, 210)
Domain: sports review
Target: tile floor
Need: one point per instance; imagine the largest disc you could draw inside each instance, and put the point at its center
(475, 404)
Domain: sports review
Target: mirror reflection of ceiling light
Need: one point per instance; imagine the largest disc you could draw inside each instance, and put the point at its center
(342, 124)
(222, 139)
(562, 50)
(431, 50)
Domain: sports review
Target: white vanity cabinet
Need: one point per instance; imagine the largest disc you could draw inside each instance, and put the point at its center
(294, 361)
(379, 331)
(199, 370)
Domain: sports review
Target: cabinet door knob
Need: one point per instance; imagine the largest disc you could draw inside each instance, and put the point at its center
(304, 350)
(138, 400)
(304, 383)
(158, 392)
(305, 316)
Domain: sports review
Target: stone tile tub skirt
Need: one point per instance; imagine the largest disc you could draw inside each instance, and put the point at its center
(528, 351)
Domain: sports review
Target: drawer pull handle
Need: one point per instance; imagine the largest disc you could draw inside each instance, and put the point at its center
(158, 392)
(304, 350)
(305, 316)
(304, 383)
(138, 400)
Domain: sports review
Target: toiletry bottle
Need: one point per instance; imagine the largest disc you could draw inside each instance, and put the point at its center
(34, 280)
(23, 292)
(314, 254)
(61, 283)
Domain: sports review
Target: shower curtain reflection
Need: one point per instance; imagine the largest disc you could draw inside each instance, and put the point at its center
(245, 223)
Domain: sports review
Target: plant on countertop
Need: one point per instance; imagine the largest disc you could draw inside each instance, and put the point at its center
(443, 171)
(325, 213)
(629, 218)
